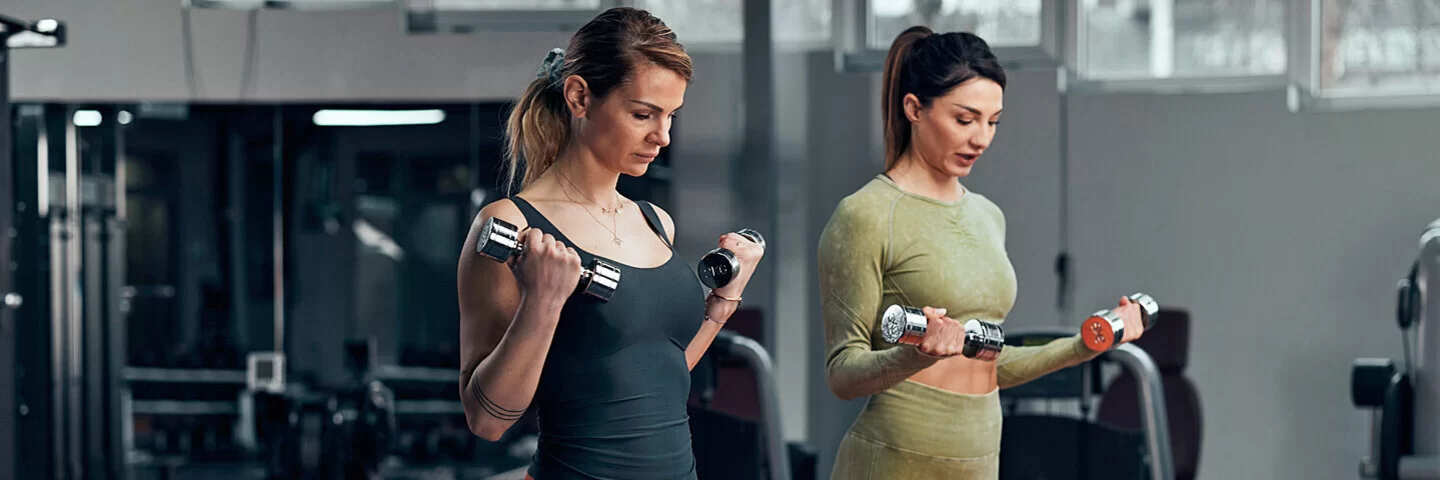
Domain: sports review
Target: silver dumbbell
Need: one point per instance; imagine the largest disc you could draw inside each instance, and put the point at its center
(500, 241)
(719, 267)
(907, 325)
(1104, 329)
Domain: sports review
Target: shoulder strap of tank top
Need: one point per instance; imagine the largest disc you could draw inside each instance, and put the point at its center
(654, 220)
(532, 216)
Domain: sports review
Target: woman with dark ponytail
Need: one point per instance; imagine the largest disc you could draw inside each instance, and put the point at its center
(609, 377)
(915, 236)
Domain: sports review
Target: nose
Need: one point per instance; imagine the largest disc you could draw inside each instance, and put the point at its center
(661, 135)
(981, 141)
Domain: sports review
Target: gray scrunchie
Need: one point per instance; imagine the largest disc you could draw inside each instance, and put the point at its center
(550, 68)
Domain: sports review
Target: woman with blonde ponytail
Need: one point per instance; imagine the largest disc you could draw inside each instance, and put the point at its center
(915, 236)
(610, 379)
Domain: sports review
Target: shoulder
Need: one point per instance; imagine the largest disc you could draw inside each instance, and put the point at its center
(503, 209)
(985, 206)
(860, 215)
(474, 269)
(988, 207)
(871, 204)
(665, 220)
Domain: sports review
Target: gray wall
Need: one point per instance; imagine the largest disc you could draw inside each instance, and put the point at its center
(845, 152)
(1284, 233)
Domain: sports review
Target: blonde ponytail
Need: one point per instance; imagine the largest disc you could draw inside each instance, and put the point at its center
(539, 125)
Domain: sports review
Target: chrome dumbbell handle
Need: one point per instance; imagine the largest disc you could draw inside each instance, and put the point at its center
(599, 280)
(720, 266)
(903, 325)
(1103, 330)
(754, 236)
(1149, 309)
(907, 326)
(500, 241)
(983, 340)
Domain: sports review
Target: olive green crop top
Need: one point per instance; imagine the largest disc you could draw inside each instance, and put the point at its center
(884, 246)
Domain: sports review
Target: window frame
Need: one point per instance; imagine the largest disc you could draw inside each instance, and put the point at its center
(422, 17)
(1072, 80)
(1304, 94)
(850, 31)
(297, 5)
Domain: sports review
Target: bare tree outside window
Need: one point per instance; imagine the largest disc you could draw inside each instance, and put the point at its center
(711, 22)
(1371, 46)
(1002, 23)
(514, 4)
(1130, 39)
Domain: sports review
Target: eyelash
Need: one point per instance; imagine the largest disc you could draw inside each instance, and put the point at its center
(967, 122)
(645, 116)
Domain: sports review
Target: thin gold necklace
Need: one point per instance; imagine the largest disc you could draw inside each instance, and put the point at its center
(614, 214)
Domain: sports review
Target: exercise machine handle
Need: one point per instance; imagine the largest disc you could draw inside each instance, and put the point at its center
(1152, 406)
(757, 358)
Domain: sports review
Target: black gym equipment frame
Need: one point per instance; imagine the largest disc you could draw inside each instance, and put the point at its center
(14, 33)
(1404, 400)
(67, 262)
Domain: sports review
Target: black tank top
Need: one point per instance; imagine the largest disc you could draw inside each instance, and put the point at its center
(612, 397)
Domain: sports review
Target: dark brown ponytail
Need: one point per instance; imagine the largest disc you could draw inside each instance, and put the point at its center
(892, 104)
(928, 65)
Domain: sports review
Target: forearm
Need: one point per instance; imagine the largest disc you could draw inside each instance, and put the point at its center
(852, 372)
(701, 343)
(504, 383)
(1017, 365)
(718, 311)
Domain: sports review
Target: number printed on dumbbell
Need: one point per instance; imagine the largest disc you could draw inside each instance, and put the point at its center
(720, 266)
(1104, 329)
(500, 241)
(907, 325)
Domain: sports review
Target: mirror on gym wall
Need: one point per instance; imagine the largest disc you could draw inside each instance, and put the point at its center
(327, 232)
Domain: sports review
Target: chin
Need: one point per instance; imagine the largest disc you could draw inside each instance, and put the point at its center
(636, 169)
(959, 170)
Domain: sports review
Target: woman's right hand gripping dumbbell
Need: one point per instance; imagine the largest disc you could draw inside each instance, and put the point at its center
(547, 269)
(944, 336)
(930, 331)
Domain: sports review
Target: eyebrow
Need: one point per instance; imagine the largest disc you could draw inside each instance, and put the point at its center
(977, 111)
(656, 107)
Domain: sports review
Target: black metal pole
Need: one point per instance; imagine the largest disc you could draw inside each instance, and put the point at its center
(13, 34)
(11, 24)
(11, 300)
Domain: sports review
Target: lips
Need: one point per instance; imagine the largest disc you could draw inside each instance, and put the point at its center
(967, 158)
(647, 156)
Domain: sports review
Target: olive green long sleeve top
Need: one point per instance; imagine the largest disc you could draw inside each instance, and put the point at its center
(884, 246)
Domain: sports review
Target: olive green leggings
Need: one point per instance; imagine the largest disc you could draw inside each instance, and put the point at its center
(915, 431)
